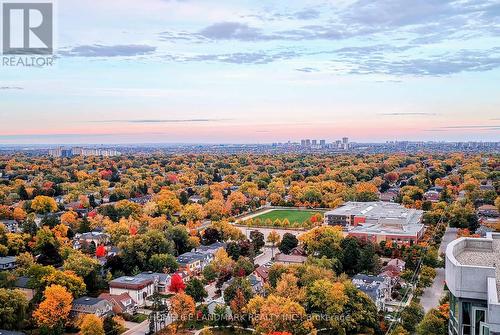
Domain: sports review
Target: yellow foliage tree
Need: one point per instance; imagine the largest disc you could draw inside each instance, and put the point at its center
(43, 204)
(91, 325)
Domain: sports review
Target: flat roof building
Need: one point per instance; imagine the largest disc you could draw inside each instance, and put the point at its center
(378, 221)
(473, 278)
(138, 288)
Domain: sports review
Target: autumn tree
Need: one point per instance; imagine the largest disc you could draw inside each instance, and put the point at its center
(70, 218)
(277, 314)
(167, 202)
(215, 209)
(19, 214)
(176, 284)
(67, 279)
(53, 311)
(91, 325)
(43, 204)
(273, 238)
(182, 308)
(193, 213)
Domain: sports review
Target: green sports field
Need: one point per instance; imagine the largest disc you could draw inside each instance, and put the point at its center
(292, 215)
(277, 218)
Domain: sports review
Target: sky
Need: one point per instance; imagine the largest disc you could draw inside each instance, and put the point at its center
(200, 71)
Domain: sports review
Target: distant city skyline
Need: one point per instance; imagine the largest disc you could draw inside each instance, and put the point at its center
(166, 71)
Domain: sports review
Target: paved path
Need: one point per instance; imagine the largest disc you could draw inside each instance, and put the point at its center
(432, 295)
(140, 329)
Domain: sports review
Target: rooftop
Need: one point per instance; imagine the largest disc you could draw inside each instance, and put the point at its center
(189, 257)
(378, 210)
(131, 282)
(88, 301)
(482, 255)
(7, 259)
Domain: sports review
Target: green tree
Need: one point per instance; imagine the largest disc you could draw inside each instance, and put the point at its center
(163, 263)
(257, 239)
(180, 236)
(432, 324)
(350, 255)
(138, 249)
(288, 242)
(13, 308)
(411, 316)
(196, 290)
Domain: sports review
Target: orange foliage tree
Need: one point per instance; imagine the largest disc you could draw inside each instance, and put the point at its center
(53, 311)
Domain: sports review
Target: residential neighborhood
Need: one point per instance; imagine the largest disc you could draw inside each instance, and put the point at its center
(183, 255)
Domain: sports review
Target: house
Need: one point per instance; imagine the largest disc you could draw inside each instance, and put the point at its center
(289, 259)
(399, 264)
(472, 276)
(141, 200)
(212, 305)
(122, 303)
(10, 332)
(256, 283)
(432, 196)
(98, 238)
(263, 272)
(7, 263)
(298, 251)
(387, 197)
(210, 249)
(487, 187)
(194, 262)
(22, 284)
(376, 287)
(488, 210)
(87, 305)
(11, 225)
(195, 198)
(138, 288)
(161, 280)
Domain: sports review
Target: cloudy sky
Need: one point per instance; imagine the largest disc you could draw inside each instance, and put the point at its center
(234, 71)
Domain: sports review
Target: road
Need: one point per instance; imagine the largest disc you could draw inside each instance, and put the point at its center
(266, 231)
(449, 235)
(432, 295)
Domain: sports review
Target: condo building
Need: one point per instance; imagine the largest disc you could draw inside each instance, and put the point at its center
(473, 279)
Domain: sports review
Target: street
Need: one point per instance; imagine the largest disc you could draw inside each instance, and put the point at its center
(432, 295)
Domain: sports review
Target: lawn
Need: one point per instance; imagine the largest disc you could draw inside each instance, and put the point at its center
(287, 218)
